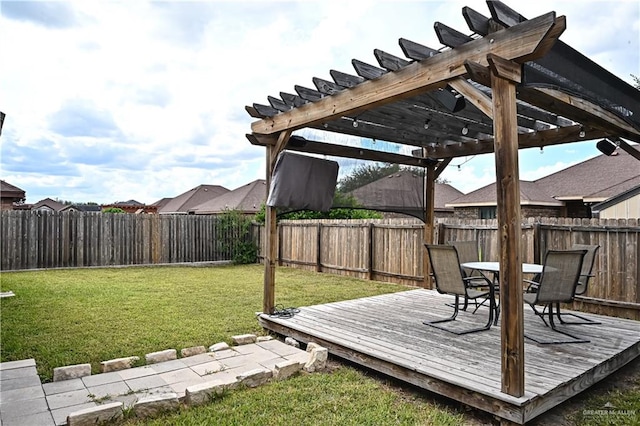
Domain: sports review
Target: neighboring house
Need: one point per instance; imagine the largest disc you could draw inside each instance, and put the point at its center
(92, 208)
(162, 202)
(246, 199)
(10, 195)
(188, 200)
(132, 206)
(622, 206)
(47, 205)
(572, 192)
(403, 192)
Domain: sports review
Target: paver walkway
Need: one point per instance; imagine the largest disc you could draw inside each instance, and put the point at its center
(25, 401)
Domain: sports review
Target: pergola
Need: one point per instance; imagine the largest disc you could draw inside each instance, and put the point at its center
(511, 84)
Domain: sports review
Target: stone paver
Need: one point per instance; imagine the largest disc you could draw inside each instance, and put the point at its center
(63, 386)
(101, 379)
(13, 409)
(39, 419)
(16, 373)
(68, 399)
(60, 414)
(24, 400)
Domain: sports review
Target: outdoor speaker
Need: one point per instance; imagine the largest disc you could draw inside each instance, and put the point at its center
(606, 147)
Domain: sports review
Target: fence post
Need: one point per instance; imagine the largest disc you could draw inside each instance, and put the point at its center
(280, 244)
(371, 249)
(319, 249)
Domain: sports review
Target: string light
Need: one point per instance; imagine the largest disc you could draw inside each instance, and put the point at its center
(465, 130)
(582, 133)
(542, 150)
(355, 123)
(464, 162)
(426, 124)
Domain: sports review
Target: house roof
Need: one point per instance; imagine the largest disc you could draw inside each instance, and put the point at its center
(598, 175)
(402, 192)
(128, 203)
(187, 200)
(247, 199)
(10, 191)
(589, 181)
(48, 202)
(162, 202)
(530, 194)
(82, 208)
(631, 192)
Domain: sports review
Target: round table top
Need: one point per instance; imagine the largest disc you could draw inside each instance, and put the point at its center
(527, 268)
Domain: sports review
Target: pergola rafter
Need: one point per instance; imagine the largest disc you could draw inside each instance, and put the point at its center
(510, 84)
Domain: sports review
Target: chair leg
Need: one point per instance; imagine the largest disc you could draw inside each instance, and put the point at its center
(553, 327)
(540, 314)
(585, 320)
(453, 317)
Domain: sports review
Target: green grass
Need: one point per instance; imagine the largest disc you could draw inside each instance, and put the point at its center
(612, 408)
(65, 317)
(342, 397)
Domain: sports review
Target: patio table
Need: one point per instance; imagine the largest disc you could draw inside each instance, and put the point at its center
(494, 267)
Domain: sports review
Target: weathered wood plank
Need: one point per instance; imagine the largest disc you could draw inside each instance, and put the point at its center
(463, 368)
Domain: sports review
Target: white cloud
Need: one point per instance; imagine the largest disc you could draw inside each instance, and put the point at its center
(171, 80)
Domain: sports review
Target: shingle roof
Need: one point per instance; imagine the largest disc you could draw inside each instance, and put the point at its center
(82, 208)
(530, 194)
(593, 180)
(7, 190)
(591, 176)
(187, 200)
(48, 202)
(247, 199)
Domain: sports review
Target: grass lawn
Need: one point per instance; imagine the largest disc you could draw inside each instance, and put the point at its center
(65, 317)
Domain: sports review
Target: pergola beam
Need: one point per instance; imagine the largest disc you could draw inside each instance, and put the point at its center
(300, 144)
(523, 42)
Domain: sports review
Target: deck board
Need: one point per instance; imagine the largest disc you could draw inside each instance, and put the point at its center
(386, 333)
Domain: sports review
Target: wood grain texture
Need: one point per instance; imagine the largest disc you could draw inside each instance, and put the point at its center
(467, 368)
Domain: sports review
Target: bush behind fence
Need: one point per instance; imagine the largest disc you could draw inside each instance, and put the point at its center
(31, 240)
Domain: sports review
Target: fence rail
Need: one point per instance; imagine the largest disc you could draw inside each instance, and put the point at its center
(392, 250)
(31, 240)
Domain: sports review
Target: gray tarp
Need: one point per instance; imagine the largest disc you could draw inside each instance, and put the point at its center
(300, 182)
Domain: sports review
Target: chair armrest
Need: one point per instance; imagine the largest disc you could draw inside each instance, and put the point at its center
(468, 281)
(532, 286)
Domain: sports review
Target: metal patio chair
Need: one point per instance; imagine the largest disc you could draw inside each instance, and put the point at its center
(468, 252)
(586, 273)
(449, 279)
(557, 284)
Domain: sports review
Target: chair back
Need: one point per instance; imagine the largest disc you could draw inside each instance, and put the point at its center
(587, 265)
(467, 252)
(445, 266)
(560, 274)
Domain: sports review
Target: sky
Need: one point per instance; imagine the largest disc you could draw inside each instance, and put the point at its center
(109, 101)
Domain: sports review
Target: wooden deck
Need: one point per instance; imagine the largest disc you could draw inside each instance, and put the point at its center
(386, 333)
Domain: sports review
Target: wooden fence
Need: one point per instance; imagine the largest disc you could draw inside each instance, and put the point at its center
(31, 240)
(392, 250)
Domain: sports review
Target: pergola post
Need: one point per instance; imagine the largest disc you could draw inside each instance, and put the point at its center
(429, 222)
(504, 77)
(271, 228)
